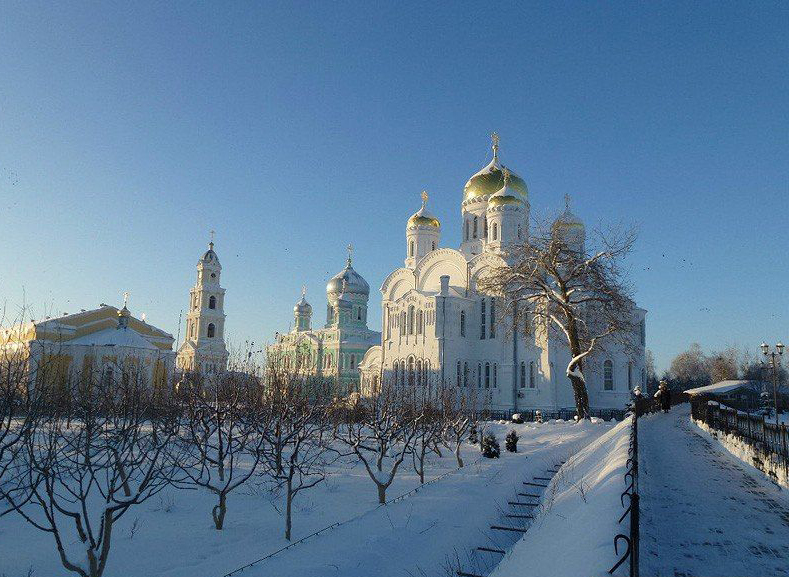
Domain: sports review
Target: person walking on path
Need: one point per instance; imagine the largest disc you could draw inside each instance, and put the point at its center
(663, 395)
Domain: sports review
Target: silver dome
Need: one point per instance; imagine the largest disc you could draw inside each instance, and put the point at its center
(354, 283)
(302, 307)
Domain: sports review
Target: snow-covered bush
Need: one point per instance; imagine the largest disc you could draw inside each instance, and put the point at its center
(490, 446)
(538, 416)
(511, 441)
(472, 434)
(517, 418)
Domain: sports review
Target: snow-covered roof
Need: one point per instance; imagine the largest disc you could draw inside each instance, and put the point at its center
(719, 388)
(115, 337)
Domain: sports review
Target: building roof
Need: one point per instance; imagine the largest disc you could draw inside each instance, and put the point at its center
(719, 388)
(117, 337)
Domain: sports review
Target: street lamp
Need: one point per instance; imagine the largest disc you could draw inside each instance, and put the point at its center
(775, 358)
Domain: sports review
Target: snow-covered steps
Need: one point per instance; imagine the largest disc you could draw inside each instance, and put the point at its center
(514, 522)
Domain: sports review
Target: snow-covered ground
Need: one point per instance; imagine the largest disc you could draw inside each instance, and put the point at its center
(573, 534)
(173, 535)
(703, 512)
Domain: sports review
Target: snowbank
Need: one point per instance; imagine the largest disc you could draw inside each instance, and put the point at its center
(769, 465)
(574, 532)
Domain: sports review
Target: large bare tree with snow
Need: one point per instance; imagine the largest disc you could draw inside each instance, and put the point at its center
(563, 289)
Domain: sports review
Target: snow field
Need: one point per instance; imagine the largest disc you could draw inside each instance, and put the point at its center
(172, 535)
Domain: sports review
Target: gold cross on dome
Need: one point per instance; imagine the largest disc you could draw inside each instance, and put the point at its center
(350, 252)
(303, 290)
(567, 201)
(424, 197)
(125, 298)
(495, 140)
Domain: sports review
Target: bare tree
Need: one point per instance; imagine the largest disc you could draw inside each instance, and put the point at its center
(379, 431)
(457, 420)
(87, 468)
(223, 434)
(690, 368)
(565, 290)
(429, 426)
(723, 365)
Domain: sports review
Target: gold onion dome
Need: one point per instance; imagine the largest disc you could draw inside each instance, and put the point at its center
(422, 217)
(490, 179)
(505, 195)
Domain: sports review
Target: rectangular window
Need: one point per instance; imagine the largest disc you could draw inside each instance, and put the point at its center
(482, 316)
(523, 375)
(487, 375)
(531, 375)
(492, 318)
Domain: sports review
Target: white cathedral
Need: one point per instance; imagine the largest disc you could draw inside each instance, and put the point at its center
(438, 330)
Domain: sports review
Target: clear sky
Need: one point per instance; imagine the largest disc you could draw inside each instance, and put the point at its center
(129, 130)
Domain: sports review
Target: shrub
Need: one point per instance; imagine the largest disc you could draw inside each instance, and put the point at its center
(490, 446)
(511, 441)
(472, 434)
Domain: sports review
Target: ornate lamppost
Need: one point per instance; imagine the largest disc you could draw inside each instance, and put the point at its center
(775, 358)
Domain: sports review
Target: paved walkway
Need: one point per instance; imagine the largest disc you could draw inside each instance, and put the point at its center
(703, 512)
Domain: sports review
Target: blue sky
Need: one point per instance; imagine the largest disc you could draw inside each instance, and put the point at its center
(129, 130)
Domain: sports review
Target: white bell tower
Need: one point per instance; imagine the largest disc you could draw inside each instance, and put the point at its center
(204, 347)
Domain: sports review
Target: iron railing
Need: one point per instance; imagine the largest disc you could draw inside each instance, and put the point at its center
(766, 438)
(632, 539)
(528, 416)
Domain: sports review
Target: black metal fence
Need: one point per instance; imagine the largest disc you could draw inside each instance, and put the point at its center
(528, 416)
(767, 439)
(632, 539)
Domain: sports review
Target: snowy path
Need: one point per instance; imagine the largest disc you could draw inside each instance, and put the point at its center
(703, 513)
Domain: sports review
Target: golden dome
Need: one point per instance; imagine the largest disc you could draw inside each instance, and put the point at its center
(490, 179)
(499, 200)
(422, 217)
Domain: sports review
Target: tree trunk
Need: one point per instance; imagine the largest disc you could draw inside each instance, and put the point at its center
(218, 512)
(457, 454)
(288, 508)
(581, 397)
(381, 494)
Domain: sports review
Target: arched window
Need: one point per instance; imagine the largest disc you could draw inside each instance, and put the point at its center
(212, 302)
(411, 371)
(495, 231)
(396, 368)
(523, 375)
(466, 236)
(434, 246)
(211, 330)
(459, 381)
(419, 374)
(402, 372)
(485, 227)
(630, 375)
(426, 373)
(475, 227)
(353, 361)
(531, 375)
(492, 318)
(411, 248)
(608, 376)
(495, 375)
(482, 319)
(419, 320)
(465, 374)
(402, 323)
(487, 375)
(411, 320)
(462, 323)
(479, 375)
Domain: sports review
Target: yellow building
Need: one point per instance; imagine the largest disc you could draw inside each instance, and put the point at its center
(106, 339)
